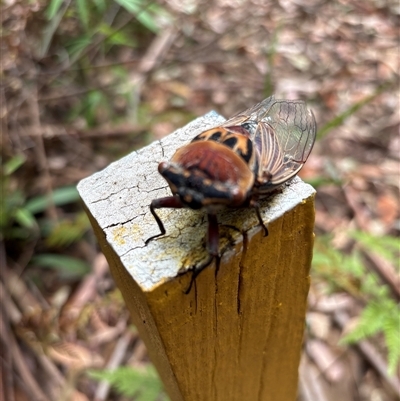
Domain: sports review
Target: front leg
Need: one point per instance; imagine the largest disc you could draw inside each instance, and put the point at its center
(212, 235)
(173, 202)
(212, 248)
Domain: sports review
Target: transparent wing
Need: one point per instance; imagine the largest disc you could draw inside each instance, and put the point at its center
(283, 132)
(289, 126)
(294, 126)
(284, 136)
(251, 114)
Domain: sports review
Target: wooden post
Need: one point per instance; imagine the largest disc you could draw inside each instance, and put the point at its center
(238, 334)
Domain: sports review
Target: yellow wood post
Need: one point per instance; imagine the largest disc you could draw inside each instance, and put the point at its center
(237, 335)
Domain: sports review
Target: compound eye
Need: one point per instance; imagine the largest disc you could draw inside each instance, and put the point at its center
(238, 195)
(163, 166)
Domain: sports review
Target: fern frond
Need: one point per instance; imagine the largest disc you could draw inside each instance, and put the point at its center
(143, 384)
(391, 331)
(370, 322)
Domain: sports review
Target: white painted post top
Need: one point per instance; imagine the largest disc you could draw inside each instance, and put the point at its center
(119, 196)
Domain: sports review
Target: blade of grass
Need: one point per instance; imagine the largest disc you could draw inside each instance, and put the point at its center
(271, 53)
(60, 196)
(51, 27)
(83, 11)
(67, 266)
(13, 164)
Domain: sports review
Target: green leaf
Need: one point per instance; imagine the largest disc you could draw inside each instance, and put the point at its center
(386, 246)
(132, 6)
(380, 317)
(100, 5)
(391, 330)
(53, 8)
(10, 204)
(147, 14)
(371, 322)
(355, 265)
(92, 104)
(83, 12)
(148, 20)
(13, 164)
(60, 196)
(322, 181)
(69, 267)
(115, 37)
(67, 231)
(25, 218)
(136, 8)
(348, 272)
(77, 46)
(143, 384)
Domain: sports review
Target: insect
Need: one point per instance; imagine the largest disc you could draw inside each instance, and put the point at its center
(238, 163)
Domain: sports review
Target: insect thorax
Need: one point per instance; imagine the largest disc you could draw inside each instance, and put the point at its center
(206, 173)
(236, 138)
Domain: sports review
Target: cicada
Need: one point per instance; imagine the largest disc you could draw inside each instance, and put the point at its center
(238, 163)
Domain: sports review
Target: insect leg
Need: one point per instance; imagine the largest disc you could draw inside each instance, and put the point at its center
(212, 248)
(167, 202)
(197, 270)
(256, 206)
(265, 228)
(212, 235)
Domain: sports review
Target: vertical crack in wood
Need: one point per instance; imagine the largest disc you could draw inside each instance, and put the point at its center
(195, 297)
(214, 372)
(240, 275)
(239, 295)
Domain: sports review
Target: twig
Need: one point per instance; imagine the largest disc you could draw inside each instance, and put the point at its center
(360, 214)
(19, 291)
(14, 315)
(310, 388)
(33, 389)
(139, 354)
(77, 93)
(155, 52)
(7, 380)
(328, 362)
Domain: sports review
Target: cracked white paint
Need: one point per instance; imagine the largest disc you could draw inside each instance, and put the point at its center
(118, 197)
